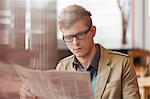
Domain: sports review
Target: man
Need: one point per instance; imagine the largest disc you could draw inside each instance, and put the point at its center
(112, 73)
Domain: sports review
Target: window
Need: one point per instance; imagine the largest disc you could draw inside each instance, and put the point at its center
(107, 17)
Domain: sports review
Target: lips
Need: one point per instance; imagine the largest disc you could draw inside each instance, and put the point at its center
(76, 49)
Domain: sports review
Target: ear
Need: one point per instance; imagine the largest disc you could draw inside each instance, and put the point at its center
(94, 30)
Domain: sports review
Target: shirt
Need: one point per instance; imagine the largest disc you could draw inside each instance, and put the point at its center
(93, 67)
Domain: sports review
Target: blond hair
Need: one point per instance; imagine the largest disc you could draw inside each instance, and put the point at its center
(73, 13)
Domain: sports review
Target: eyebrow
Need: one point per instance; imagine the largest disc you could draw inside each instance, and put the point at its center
(85, 31)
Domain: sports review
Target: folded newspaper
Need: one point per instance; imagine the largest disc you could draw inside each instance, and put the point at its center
(54, 84)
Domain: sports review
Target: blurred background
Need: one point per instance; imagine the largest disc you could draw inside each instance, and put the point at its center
(29, 36)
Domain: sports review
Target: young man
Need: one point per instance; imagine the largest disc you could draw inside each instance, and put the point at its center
(112, 73)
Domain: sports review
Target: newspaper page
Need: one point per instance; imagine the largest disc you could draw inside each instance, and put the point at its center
(54, 84)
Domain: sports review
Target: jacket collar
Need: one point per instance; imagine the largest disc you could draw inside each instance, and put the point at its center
(103, 71)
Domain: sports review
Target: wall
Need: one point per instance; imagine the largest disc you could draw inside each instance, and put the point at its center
(138, 24)
(147, 24)
(140, 35)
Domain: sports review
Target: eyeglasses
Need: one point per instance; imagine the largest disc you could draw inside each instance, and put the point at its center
(79, 36)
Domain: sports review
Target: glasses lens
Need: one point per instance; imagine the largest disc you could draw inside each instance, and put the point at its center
(80, 36)
(68, 38)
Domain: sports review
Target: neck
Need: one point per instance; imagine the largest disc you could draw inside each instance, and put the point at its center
(87, 59)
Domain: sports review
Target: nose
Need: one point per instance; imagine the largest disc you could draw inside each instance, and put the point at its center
(75, 41)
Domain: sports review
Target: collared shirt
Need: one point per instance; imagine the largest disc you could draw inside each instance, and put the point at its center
(93, 66)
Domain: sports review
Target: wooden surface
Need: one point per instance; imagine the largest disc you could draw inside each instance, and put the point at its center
(144, 85)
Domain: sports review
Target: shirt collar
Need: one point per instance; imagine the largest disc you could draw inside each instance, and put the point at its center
(94, 63)
(96, 58)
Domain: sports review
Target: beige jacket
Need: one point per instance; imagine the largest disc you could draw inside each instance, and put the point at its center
(116, 77)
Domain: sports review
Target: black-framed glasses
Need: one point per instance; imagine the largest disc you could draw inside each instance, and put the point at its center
(79, 36)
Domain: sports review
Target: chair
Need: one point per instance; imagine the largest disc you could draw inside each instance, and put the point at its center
(141, 60)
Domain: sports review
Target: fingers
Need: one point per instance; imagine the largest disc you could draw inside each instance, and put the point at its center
(25, 93)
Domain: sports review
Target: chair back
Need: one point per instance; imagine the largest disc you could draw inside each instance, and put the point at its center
(141, 60)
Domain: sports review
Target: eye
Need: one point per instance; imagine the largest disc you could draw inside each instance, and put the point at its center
(67, 38)
(80, 35)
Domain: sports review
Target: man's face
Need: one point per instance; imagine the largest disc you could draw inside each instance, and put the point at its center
(79, 38)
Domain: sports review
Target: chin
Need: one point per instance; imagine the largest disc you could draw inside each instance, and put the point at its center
(79, 54)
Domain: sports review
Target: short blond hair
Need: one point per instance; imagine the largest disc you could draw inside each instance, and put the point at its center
(73, 13)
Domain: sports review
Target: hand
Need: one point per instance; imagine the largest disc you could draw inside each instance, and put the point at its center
(25, 93)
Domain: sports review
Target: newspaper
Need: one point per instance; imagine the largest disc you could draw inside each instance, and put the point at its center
(54, 84)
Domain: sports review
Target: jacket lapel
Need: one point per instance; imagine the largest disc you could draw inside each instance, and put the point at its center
(103, 73)
(71, 67)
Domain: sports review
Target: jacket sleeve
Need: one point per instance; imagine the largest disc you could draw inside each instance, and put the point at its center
(59, 66)
(62, 65)
(130, 89)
